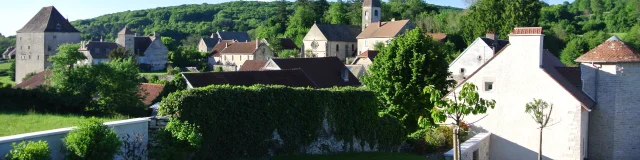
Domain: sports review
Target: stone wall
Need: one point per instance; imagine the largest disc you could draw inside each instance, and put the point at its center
(478, 144)
(33, 50)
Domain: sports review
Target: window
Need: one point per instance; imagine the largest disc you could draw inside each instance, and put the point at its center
(366, 43)
(461, 70)
(353, 48)
(241, 57)
(375, 13)
(366, 13)
(20, 47)
(97, 50)
(476, 155)
(48, 48)
(337, 47)
(54, 37)
(488, 86)
(58, 26)
(28, 47)
(106, 50)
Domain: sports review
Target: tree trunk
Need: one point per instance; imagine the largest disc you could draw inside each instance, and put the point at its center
(456, 144)
(540, 146)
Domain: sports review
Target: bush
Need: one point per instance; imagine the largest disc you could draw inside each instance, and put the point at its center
(169, 148)
(227, 122)
(29, 151)
(40, 100)
(431, 140)
(92, 140)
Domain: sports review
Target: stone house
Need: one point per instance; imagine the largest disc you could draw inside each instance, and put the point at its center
(381, 32)
(235, 54)
(9, 53)
(479, 52)
(207, 44)
(152, 54)
(96, 52)
(214, 57)
(514, 76)
(325, 72)
(330, 40)
(39, 39)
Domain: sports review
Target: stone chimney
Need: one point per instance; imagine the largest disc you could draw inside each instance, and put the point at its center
(529, 42)
(226, 44)
(257, 43)
(212, 35)
(492, 35)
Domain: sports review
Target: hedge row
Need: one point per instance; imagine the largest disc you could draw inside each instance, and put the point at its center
(238, 122)
(39, 99)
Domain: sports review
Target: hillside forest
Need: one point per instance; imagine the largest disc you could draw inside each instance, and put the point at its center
(571, 29)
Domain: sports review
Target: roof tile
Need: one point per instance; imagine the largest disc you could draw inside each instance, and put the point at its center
(612, 50)
(253, 65)
(150, 92)
(384, 29)
(527, 30)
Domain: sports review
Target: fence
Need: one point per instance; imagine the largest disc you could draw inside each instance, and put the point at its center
(476, 148)
(54, 137)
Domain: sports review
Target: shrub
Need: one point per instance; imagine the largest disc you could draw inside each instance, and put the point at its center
(431, 140)
(92, 140)
(169, 147)
(227, 122)
(29, 151)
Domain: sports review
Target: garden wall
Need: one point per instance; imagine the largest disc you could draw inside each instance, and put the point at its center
(478, 145)
(54, 137)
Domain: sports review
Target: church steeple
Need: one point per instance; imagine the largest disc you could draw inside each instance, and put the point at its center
(371, 12)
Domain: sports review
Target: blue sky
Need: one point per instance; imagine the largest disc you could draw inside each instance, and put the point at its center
(16, 13)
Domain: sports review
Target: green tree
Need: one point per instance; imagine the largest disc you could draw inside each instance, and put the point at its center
(288, 54)
(575, 48)
(191, 41)
(299, 23)
(501, 16)
(92, 140)
(12, 70)
(171, 43)
(467, 101)
(29, 150)
(402, 69)
(597, 6)
(520, 13)
(633, 37)
(188, 57)
(537, 111)
(120, 53)
(337, 14)
(67, 56)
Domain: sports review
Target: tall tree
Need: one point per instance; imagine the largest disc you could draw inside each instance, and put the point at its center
(299, 23)
(597, 6)
(501, 16)
(575, 48)
(402, 68)
(537, 111)
(520, 13)
(467, 101)
(337, 14)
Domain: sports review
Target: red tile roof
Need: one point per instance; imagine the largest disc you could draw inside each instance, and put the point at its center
(527, 30)
(253, 65)
(150, 92)
(612, 50)
(215, 52)
(371, 54)
(438, 36)
(35, 80)
(384, 29)
(244, 48)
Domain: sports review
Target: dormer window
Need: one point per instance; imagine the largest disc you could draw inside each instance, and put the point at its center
(58, 27)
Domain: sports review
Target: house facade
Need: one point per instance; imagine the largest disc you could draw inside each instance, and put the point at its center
(39, 39)
(330, 40)
(235, 54)
(207, 44)
(478, 53)
(381, 32)
(96, 52)
(151, 53)
(515, 76)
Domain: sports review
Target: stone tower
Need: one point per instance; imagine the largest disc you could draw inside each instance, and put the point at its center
(609, 76)
(371, 12)
(126, 39)
(39, 39)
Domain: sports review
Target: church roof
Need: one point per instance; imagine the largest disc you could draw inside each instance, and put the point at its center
(611, 50)
(141, 44)
(371, 3)
(210, 42)
(240, 48)
(338, 32)
(126, 30)
(238, 36)
(384, 29)
(48, 19)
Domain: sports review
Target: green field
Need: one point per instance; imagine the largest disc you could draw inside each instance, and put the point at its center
(17, 123)
(355, 156)
(4, 67)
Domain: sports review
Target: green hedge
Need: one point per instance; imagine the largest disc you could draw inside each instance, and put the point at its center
(39, 99)
(238, 122)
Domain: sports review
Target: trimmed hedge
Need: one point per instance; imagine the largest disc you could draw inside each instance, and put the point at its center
(39, 99)
(227, 122)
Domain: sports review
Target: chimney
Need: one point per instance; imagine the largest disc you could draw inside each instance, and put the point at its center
(379, 23)
(345, 74)
(135, 34)
(226, 44)
(393, 19)
(491, 35)
(100, 38)
(529, 41)
(257, 43)
(212, 35)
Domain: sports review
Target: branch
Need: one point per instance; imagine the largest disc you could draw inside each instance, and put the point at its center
(548, 116)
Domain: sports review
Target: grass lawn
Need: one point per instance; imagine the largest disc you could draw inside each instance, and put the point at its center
(18, 123)
(4, 67)
(355, 156)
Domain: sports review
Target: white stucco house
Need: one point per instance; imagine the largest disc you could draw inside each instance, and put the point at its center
(330, 40)
(96, 52)
(479, 52)
(236, 53)
(516, 75)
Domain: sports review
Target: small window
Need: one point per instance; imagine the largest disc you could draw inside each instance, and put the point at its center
(54, 37)
(106, 50)
(375, 13)
(97, 50)
(476, 155)
(20, 47)
(58, 26)
(337, 47)
(461, 70)
(21, 38)
(28, 47)
(353, 48)
(366, 43)
(48, 48)
(366, 13)
(241, 57)
(488, 86)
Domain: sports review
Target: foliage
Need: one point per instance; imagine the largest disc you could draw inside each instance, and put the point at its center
(168, 147)
(6, 42)
(295, 114)
(456, 107)
(402, 68)
(107, 87)
(29, 75)
(500, 16)
(120, 53)
(12, 70)
(92, 140)
(574, 49)
(134, 146)
(337, 14)
(177, 84)
(29, 151)
(537, 111)
(289, 53)
(172, 44)
(218, 69)
(188, 57)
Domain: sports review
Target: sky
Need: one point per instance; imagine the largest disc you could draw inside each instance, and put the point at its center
(16, 13)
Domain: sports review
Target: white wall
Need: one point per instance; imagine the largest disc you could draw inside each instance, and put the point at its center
(54, 137)
(479, 143)
(471, 59)
(517, 79)
(366, 44)
(235, 59)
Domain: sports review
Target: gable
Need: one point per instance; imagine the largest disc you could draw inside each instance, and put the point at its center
(314, 34)
(156, 47)
(476, 43)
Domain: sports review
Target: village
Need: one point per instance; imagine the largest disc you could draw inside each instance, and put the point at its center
(384, 89)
